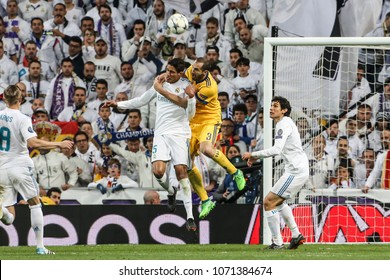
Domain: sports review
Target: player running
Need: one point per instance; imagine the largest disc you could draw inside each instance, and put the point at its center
(16, 133)
(205, 127)
(172, 133)
(288, 144)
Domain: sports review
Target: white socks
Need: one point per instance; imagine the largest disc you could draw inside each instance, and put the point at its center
(187, 194)
(164, 182)
(274, 225)
(37, 223)
(7, 218)
(288, 217)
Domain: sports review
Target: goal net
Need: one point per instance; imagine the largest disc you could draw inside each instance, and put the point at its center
(336, 87)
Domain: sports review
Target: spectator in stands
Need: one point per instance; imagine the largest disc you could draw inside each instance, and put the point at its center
(110, 31)
(114, 182)
(78, 112)
(108, 67)
(304, 129)
(151, 197)
(363, 168)
(321, 164)
(9, 77)
(31, 9)
(94, 13)
(87, 128)
(227, 137)
(140, 160)
(61, 89)
(331, 135)
(36, 85)
(103, 124)
(52, 197)
(360, 89)
(40, 115)
(88, 153)
(374, 138)
(88, 44)
(50, 169)
(243, 10)
(90, 80)
(16, 27)
(87, 23)
(25, 106)
(258, 143)
(140, 10)
(157, 24)
(119, 116)
(227, 111)
(179, 51)
(8, 45)
(356, 145)
(381, 167)
(230, 70)
(127, 85)
(61, 27)
(76, 55)
(380, 102)
(343, 154)
(251, 106)
(245, 131)
(250, 47)
(73, 13)
(212, 56)
(213, 37)
(84, 177)
(343, 179)
(229, 187)
(224, 84)
(101, 95)
(31, 54)
(245, 83)
(130, 46)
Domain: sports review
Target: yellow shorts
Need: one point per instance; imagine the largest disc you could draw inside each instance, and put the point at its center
(202, 133)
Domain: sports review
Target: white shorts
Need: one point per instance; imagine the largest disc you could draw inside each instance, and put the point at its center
(18, 180)
(171, 148)
(288, 185)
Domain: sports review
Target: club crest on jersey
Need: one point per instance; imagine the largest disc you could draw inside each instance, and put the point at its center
(279, 134)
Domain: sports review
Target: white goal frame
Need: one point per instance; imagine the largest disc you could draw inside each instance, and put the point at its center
(268, 63)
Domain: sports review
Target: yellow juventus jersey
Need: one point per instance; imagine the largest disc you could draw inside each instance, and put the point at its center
(208, 109)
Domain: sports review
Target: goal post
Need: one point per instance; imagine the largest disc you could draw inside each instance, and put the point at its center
(317, 76)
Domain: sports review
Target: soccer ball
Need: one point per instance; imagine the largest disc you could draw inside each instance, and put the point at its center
(177, 23)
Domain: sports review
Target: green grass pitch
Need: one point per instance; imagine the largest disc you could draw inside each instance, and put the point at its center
(202, 252)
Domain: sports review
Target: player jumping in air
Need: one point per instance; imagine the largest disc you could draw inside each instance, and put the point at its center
(204, 128)
(288, 145)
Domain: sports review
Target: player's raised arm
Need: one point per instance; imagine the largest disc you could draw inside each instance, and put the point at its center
(179, 101)
(36, 143)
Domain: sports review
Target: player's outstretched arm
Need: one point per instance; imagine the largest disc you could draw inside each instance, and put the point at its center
(249, 158)
(36, 143)
(110, 103)
(179, 101)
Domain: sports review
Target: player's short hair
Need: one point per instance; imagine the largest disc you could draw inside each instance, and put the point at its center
(206, 64)
(12, 94)
(284, 104)
(178, 64)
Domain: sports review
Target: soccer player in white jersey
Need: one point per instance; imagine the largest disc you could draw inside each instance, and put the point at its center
(16, 133)
(288, 145)
(172, 133)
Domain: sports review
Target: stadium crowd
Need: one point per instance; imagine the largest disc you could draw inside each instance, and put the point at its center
(69, 57)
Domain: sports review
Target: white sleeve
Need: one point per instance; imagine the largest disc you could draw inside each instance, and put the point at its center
(191, 108)
(142, 100)
(280, 141)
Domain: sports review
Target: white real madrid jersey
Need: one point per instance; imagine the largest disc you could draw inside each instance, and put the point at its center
(15, 129)
(170, 118)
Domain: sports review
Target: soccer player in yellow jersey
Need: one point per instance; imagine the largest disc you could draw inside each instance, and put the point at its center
(204, 128)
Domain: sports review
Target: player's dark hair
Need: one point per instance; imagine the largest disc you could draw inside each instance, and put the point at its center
(284, 104)
(178, 64)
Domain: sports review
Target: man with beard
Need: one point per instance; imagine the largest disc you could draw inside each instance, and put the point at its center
(36, 86)
(90, 80)
(79, 111)
(331, 135)
(76, 55)
(127, 84)
(31, 54)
